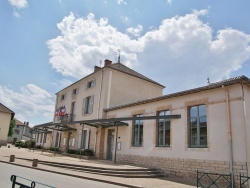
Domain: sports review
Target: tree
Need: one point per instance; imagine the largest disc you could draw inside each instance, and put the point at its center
(12, 126)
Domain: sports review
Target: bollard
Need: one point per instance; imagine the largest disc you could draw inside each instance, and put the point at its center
(12, 158)
(35, 162)
(0, 146)
(8, 146)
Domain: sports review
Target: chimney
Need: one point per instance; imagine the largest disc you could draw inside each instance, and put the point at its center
(96, 68)
(107, 62)
(27, 123)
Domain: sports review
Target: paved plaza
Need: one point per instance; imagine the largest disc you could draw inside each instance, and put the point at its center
(24, 153)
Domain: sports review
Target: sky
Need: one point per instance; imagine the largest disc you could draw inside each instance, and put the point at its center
(47, 45)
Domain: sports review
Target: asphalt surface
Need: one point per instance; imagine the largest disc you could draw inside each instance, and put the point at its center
(108, 181)
(44, 179)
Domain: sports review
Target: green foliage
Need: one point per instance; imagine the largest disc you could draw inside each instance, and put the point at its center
(11, 127)
(86, 152)
(18, 143)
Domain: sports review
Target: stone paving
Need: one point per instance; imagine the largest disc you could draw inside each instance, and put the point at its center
(166, 182)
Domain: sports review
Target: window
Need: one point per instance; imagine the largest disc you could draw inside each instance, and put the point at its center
(17, 131)
(62, 97)
(84, 139)
(138, 132)
(75, 91)
(198, 126)
(163, 129)
(91, 84)
(88, 105)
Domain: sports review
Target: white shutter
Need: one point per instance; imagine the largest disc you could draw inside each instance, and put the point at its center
(91, 103)
(54, 137)
(64, 141)
(73, 141)
(59, 139)
(94, 82)
(83, 106)
(87, 140)
(79, 139)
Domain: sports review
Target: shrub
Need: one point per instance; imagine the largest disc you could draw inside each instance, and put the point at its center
(17, 144)
(72, 151)
(88, 152)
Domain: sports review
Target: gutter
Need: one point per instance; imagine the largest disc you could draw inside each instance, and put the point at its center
(229, 127)
(245, 127)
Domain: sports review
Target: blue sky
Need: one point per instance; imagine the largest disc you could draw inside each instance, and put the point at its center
(46, 45)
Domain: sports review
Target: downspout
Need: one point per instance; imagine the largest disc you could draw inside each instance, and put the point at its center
(98, 109)
(229, 127)
(245, 126)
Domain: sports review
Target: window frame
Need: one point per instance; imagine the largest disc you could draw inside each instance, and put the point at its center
(75, 91)
(198, 127)
(90, 84)
(88, 105)
(62, 97)
(165, 121)
(139, 123)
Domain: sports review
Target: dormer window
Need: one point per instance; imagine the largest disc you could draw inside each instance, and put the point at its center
(91, 84)
(62, 97)
(75, 91)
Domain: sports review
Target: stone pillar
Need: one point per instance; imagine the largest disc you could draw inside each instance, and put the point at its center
(35, 162)
(12, 158)
(100, 143)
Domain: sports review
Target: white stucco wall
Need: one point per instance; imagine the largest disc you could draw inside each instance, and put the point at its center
(4, 127)
(217, 127)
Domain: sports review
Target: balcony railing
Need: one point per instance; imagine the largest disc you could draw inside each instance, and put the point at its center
(66, 118)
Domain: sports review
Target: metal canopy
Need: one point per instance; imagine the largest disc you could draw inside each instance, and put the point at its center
(105, 122)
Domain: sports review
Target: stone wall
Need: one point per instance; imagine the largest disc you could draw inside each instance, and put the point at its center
(3, 142)
(185, 168)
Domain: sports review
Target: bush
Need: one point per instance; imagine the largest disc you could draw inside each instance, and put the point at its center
(39, 147)
(88, 152)
(18, 143)
(54, 149)
(72, 151)
(31, 143)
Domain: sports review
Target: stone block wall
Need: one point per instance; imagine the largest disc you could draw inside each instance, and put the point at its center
(3, 142)
(185, 168)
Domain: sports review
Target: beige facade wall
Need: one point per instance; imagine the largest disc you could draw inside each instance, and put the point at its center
(4, 127)
(217, 132)
(111, 88)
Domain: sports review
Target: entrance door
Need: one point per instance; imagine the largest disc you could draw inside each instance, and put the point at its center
(110, 144)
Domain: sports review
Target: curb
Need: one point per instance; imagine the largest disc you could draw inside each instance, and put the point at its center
(76, 176)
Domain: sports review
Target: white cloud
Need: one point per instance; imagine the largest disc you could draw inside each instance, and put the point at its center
(135, 31)
(121, 2)
(30, 101)
(16, 14)
(19, 3)
(169, 2)
(84, 41)
(125, 19)
(180, 53)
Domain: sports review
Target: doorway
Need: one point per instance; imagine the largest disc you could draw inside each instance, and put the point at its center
(110, 145)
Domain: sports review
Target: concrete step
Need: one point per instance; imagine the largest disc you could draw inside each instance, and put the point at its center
(117, 172)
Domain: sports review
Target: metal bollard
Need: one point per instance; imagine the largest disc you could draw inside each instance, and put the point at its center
(12, 158)
(35, 162)
(8, 146)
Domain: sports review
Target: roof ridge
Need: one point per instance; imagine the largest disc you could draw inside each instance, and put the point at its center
(117, 66)
(214, 85)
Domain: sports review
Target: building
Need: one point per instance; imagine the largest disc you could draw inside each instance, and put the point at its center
(111, 85)
(6, 115)
(125, 118)
(210, 133)
(22, 131)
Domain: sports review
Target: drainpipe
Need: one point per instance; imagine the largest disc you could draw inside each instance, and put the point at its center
(229, 127)
(245, 127)
(98, 110)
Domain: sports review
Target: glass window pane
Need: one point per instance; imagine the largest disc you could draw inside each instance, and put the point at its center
(203, 136)
(167, 133)
(193, 111)
(193, 132)
(202, 110)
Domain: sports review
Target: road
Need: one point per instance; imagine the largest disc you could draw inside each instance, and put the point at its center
(46, 178)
